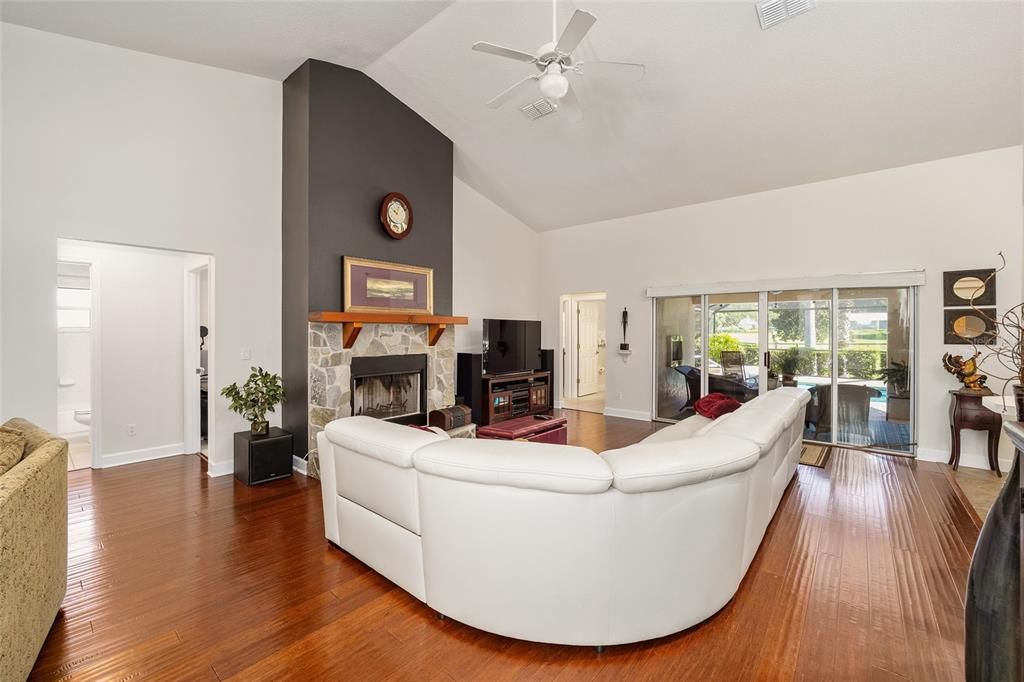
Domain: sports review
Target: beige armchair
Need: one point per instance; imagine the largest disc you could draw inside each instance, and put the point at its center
(33, 548)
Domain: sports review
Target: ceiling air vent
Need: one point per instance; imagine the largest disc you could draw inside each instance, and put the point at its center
(771, 12)
(535, 110)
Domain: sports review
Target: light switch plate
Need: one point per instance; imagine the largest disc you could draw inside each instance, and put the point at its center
(245, 354)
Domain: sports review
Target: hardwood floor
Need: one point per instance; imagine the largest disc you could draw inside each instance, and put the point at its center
(173, 575)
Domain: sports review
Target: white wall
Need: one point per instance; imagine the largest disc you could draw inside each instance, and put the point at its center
(954, 213)
(107, 144)
(137, 326)
(496, 266)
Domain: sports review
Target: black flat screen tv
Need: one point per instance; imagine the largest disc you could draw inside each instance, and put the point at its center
(511, 346)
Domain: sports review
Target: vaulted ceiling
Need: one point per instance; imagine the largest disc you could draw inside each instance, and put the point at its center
(725, 108)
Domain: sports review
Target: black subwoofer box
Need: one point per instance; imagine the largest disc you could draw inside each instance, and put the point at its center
(259, 459)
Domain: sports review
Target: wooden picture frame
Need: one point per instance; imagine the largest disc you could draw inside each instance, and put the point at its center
(373, 286)
(957, 287)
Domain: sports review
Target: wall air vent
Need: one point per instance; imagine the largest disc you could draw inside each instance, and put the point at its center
(535, 110)
(771, 12)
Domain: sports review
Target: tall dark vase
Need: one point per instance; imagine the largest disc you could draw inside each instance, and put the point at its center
(993, 611)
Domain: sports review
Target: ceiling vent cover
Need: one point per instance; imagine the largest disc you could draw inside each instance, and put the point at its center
(535, 110)
(771, 12)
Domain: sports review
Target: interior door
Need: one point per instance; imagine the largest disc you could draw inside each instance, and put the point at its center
(588, 347)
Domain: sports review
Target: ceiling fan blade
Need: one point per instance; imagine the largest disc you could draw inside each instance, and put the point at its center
(570, 106)
(575, 31)
(507, 52)
(506, 95)
(623, 70)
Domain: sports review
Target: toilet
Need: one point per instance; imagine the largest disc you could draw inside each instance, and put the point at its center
(83, 417)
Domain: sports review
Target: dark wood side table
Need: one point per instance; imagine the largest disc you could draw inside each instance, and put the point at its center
(967, 412)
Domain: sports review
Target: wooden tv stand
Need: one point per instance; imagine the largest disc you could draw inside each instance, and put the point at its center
(508, 396)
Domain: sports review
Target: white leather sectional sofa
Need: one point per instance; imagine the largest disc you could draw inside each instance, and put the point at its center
(554, 543)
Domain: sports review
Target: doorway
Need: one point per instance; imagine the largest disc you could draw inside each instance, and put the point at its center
(583, 340)
(127, 325)
(74, 359)
(198, 354)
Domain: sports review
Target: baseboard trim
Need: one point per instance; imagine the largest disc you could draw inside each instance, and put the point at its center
(215, 469)
(638, 415)
(973, 460)
(141, 455)
(299, 465)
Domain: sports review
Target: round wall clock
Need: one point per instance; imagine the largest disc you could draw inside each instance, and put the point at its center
(396, 215)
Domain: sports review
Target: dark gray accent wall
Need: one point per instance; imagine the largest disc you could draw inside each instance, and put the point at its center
(347, 143)
(295, 255)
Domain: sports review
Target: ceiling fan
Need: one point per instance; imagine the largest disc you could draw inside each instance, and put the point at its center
(554, 61)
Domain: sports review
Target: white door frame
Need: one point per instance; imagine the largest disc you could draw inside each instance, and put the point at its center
(191, 355)
(96, 366)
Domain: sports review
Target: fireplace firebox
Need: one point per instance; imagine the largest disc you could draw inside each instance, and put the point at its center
(390, 387)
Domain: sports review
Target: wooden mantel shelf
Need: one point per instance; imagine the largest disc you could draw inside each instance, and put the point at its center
(352, 323)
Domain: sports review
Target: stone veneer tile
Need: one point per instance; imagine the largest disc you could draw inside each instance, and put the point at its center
(330, 370)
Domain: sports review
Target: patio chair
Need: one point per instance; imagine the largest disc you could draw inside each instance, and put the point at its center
(854, 418)
(732, 365)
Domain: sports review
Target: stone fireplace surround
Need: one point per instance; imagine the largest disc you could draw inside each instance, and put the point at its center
(330, 370)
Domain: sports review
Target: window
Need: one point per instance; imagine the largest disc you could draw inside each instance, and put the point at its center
(74, 298)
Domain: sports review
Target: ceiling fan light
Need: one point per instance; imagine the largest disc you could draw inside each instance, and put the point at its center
(554, 85)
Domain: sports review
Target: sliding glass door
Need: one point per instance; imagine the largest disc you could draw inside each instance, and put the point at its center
(851, 348)
(679, 352)
(799, 351)
(734, 365)
(873, 357)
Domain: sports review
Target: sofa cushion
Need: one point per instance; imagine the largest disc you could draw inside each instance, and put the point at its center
(646, 467)
(518, 464)
(760, 426)
(386, 441)
(34, 435)
(680, 431)
(787, 405)
(12, 449)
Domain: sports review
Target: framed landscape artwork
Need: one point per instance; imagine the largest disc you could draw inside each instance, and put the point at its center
(373, 286)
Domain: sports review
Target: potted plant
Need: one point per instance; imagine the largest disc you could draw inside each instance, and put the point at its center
(789, 365)
(261, 392)
(897, 378)
(897, 397)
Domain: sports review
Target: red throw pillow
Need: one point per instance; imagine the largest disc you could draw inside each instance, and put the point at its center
(714, 405)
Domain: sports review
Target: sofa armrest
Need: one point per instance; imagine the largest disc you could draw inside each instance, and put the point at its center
(647, 467)
(379, 439)
(33, 554)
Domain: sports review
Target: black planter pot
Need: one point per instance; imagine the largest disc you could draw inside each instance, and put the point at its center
(993, 610)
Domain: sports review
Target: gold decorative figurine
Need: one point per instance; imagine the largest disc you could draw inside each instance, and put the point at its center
(966, 371)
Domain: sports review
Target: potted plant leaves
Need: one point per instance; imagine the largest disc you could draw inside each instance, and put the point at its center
(261, 392)
(897, 381)
(789, 365)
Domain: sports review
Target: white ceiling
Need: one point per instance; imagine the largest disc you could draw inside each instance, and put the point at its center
(269, 39)
(725, 109)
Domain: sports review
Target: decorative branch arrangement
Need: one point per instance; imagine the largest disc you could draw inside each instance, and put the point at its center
(1004, 344)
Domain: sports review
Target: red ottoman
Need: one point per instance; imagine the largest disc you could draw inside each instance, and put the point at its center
(551, 430)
